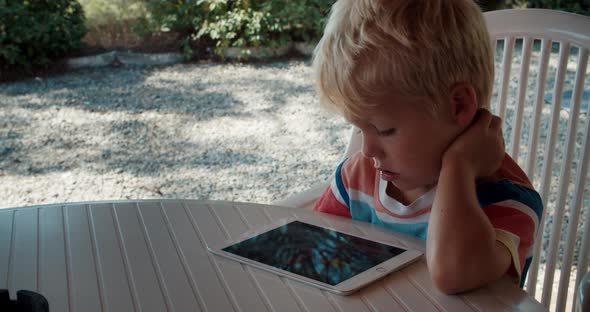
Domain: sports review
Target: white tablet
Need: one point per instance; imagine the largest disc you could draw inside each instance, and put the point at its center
(316, 255)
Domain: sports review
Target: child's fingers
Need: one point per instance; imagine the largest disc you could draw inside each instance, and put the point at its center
(495, 122)
(484, 118)
(496, 126)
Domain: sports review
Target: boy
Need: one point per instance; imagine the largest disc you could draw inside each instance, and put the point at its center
(415, 77)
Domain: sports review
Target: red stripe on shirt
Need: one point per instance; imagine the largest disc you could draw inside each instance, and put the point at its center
(358, 173)
(516, 222)
(329, 204)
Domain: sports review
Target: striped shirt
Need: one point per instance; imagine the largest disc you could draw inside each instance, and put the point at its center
(512, 205)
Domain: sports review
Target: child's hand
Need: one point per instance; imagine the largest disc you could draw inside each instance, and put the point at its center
(480, 148)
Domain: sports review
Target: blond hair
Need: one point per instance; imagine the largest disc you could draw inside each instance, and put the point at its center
(420, 48)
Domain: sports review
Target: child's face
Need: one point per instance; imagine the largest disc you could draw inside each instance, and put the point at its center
(406, 142)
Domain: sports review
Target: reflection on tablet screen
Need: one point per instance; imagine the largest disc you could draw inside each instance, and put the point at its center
(321, 254)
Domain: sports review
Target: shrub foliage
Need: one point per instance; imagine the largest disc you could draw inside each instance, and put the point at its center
(575, 6)
(34, 32)
(240, 23)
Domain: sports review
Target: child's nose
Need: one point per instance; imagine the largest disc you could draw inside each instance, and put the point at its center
(371, 147)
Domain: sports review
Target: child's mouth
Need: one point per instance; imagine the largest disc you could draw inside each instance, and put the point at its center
(388, 175)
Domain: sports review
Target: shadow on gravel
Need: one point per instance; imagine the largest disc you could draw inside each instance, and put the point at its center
(34, 141)
(133, 147)
(116, 90)
(129, 90)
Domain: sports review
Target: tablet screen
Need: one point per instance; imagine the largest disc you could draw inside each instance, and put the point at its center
(321, 254)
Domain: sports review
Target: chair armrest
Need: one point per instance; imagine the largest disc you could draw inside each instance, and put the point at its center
(305, 199)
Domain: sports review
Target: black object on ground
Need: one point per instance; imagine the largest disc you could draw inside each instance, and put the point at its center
(26, 301)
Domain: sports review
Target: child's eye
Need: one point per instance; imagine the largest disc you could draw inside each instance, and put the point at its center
(387, 132)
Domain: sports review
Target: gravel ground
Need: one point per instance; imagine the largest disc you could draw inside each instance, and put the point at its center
(225, 132)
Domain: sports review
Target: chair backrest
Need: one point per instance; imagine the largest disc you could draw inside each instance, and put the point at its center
(542, 92)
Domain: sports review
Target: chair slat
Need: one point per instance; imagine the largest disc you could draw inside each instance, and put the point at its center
(506, 67)
(555, 111)
(563, 190)
(584, 254)
(579, 188)
(530, 170)
(495, 46)
(538, 108)
(520, 102)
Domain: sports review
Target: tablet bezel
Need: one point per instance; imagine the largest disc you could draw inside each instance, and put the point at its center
(346, 287)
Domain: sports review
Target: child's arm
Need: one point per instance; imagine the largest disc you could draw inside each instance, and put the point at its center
(462, 250)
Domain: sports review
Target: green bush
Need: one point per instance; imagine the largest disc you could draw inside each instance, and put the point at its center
(35, 32)
(304, 19)
(244, 24)
(240, 23)
(491, 5)
(574, 6)
(178, 16)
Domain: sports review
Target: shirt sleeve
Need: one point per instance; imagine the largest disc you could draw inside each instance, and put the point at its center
(334, 200)
(515, 213)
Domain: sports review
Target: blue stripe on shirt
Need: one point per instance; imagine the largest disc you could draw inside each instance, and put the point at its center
(340, 185)
(364, 212)
(493, 192)
(527, 264)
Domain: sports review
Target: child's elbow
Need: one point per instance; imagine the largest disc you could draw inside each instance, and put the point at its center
(444, 282)
(449, 280)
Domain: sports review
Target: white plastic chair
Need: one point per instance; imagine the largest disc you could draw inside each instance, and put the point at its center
(542, 58)
(583, 302)
(558, 166)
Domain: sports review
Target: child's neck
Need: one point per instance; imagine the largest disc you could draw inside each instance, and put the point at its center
(406, 197)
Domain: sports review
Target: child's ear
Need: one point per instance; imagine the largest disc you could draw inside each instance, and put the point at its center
(464, 104)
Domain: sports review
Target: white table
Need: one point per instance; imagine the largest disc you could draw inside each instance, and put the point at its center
(151, 256)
